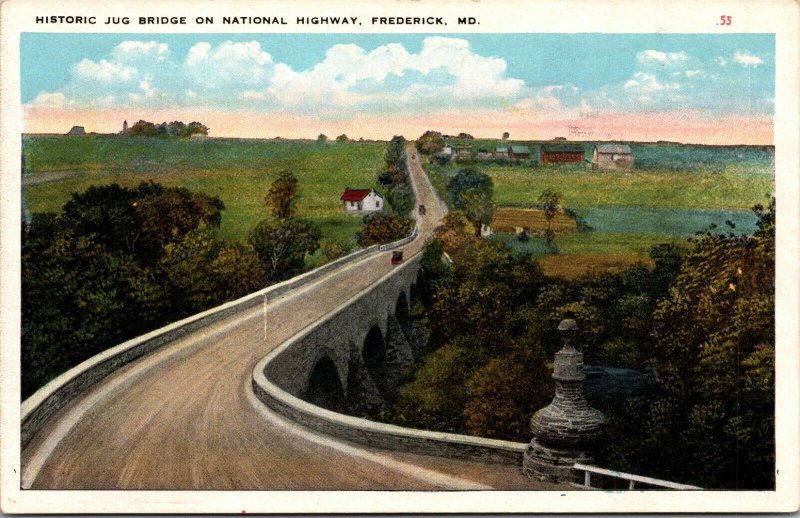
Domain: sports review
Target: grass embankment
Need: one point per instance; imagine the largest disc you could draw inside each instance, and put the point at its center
(238, 171)
(673, 192)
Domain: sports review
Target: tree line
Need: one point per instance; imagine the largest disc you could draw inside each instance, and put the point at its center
(178, 129)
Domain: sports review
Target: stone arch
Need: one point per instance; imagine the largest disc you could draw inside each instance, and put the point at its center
(413, 294)
(324, 388)
(373, 354)
(401, 309)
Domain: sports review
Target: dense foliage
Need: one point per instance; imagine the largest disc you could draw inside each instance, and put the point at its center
(172, 129)
(379, 228)
(430, 142)
(117, 262)
(709, 416)
(471, 192)
(700, 323)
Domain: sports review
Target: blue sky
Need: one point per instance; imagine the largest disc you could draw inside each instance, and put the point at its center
(334, 76)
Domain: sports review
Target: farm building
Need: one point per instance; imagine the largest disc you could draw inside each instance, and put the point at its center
(361, 200)
(612, 155)
(502, 152)
(447, 150)
(519, 153)
(76, 130)
(561, 154)
(462, 151)
(483, 154)
(513, 152)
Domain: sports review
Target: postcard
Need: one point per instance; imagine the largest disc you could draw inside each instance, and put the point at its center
(399, 256)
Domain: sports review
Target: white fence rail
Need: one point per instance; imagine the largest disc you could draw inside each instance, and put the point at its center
(632, 479)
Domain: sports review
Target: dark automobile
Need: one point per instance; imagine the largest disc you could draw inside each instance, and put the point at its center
(397, 257)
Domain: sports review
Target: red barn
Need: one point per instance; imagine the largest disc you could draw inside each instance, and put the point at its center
(561, 154)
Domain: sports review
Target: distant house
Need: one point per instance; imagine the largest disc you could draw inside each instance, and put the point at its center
(76, 131)
(612, 156)
(519, 153)
(502, 152)
(483, 154)
(462, 151)
(447, 150)
(361, 200)
(561, 154)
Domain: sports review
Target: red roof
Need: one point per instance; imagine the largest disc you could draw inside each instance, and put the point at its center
(355, 194)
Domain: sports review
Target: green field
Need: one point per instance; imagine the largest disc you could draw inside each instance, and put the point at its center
(238, 171)
(672, 193)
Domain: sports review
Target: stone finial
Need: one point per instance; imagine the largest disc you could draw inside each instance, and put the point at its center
(565, 431)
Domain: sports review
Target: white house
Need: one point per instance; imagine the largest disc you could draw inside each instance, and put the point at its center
(361, 200)
(612, 156)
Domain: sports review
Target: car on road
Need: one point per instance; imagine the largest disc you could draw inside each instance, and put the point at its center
(397, 257)
(421, 210)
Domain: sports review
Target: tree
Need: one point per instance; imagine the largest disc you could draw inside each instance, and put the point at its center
(455, 233)
(282, 195)
(342, 138)
(471, 192)
(477, 207)
(282, 245)
(468, 179)
(322, 138)
(550, 202)
(506, 135)
(379, 228)
(430, 142)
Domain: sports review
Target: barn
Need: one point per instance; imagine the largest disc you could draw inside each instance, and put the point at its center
(361, 200)
(561, 154)
(612, 156)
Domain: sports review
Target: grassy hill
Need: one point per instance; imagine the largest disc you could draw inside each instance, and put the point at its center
(238, 171)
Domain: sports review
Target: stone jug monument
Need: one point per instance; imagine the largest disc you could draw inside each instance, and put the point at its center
(567, 430)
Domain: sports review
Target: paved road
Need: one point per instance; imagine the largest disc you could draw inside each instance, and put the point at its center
(185, 417)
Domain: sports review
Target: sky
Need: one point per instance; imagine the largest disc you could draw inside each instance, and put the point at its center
(714, 89)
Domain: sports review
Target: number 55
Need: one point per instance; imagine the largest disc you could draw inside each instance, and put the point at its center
(725, 20)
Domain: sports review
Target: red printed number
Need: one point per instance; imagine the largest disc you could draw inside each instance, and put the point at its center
(725, 20)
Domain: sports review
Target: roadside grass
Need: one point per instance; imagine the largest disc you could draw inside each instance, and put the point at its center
(238, 171)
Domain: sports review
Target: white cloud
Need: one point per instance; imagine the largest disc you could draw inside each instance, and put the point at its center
(135, 51)
(722, 61)
(746, 59)
(103, 71)
(655, 56)
(49, 100)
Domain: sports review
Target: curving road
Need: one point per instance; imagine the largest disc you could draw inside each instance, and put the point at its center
(185, 417)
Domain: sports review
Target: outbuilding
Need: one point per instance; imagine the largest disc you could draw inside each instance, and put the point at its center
(561, 154)
(612, 156)
(519, 153)
(361, 200)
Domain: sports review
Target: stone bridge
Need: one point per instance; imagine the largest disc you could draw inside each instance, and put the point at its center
(267, 392)
(356, 356)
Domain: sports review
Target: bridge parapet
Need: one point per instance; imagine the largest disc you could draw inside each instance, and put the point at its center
(282, 378)
(38, 409)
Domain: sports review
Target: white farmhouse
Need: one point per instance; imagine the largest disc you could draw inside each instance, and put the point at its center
(361, 200)
(612, 156)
